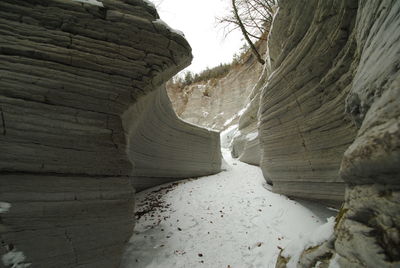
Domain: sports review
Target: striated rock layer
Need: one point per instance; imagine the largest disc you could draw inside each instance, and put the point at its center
(68, 72)
(161, 158)
(303, 127)
(330, 117)
(215, 103)
(246, 143)
(368, 233)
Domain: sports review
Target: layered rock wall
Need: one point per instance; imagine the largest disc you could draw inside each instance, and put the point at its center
(368, 233)
(303, 127)
(215, 103)
(157, 157)
(330, 119)
(246, 142)
(68, 72)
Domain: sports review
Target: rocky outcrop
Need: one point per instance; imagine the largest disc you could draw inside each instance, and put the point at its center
(329, 118)
(368, 234)
(69, 72)
(215, 103)
(303, 127)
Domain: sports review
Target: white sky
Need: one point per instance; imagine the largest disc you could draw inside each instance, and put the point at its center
(196, 19)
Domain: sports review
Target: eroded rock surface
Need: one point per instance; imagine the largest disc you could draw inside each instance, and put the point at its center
(330, 113)
(160, 158)
(246, 143)
(303, 127)
(215, 103)
(68, 72)
(368, 234)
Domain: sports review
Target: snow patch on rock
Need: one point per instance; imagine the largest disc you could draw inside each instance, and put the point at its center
(161, 22)
(227, 135)
(15, 259)
(252, 136)
(4, 207)
(334, 262)
(315, 238)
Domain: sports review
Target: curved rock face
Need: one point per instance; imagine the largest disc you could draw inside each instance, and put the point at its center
(158, 158)
(371, 165)
(68, 72)
(303, 127)
(331, 109)
(245, 144)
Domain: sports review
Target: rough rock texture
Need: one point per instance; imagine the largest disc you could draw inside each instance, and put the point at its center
(176, 154)
(215, 103)
(68, 72)
(346, 61)
(245, 144)
(303, 127)
(369, 233)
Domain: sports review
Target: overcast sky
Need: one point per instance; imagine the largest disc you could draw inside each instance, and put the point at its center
(196, 19)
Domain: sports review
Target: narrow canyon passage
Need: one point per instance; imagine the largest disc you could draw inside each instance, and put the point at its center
(230, 219)
(97, 169)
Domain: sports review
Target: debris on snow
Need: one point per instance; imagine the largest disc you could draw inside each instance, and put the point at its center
(187, 221)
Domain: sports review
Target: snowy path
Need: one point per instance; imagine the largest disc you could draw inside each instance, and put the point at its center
(225, 220)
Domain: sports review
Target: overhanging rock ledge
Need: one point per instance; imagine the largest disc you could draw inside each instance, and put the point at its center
(69, 164)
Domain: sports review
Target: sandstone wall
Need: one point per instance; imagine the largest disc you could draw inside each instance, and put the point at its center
(329, 119)
(198, 153)
(68, 72)
(368, 233)
(303, 127)
(215, 103)
(246, 143)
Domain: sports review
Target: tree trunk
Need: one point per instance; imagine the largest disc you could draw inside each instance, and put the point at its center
(245, 34)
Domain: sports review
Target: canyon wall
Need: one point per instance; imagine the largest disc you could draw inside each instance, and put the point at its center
(369, 230)
(329, 122)
(246, 142)
(69, 163)
(215, 103)
(164, 148)
(303, 127)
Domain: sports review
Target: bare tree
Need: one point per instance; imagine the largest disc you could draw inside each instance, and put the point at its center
(252, 17)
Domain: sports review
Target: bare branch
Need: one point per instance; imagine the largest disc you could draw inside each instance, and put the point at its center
(245, 34)
(256, 16)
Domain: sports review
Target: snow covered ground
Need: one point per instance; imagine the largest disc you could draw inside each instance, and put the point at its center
(226, 220)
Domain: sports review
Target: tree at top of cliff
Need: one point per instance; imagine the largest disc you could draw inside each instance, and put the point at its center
(253, 18)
